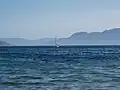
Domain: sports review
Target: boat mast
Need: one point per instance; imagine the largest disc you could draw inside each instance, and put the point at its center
(56, 41)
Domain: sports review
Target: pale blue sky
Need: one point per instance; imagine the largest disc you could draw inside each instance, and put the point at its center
(34, 19)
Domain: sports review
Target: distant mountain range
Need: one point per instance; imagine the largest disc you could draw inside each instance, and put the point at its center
(107, 37)
(26, 42)
(3, 43)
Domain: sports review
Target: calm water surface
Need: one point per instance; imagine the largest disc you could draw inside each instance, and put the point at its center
(63, 68)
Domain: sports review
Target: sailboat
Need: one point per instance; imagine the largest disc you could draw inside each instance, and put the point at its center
(56, 42)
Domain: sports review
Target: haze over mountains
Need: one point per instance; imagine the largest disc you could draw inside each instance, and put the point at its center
(107, 37)
(3, 43)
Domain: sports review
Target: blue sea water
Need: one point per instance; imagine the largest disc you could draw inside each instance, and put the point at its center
(62, 68)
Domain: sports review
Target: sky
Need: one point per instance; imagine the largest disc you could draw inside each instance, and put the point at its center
(34, 19)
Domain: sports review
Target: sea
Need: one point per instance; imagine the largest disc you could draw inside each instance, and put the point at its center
(60, 68)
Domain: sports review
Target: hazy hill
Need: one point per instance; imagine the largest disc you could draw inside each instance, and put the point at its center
(107, 37)
(112, 34)
(26, 42)
(3, 43)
